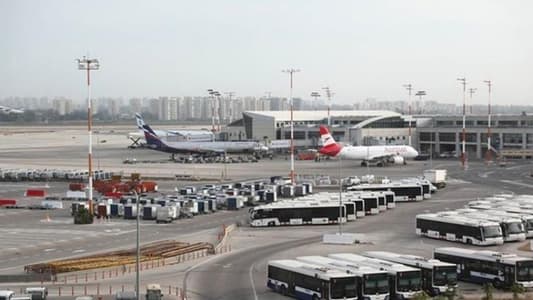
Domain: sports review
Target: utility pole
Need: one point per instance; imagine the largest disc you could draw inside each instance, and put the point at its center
(291, 102)
(463, 150)
(329, 94)
(409, 87)
(88, 64)
(489, 135)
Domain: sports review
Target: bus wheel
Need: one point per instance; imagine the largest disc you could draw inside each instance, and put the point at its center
(496, 283)
(468, 241)
(271, 224)
(315, 297)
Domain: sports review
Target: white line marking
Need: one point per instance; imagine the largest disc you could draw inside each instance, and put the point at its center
(517, 183)
(252, 281)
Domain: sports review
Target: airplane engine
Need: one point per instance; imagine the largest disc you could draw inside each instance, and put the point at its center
(399, 160)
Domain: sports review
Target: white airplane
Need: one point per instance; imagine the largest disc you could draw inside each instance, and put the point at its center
(9, 110)
(380, 154)
(156, 143)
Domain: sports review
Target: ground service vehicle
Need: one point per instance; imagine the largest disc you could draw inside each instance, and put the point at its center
(404, 281)
(501, 269)
(437, 276)
(512, 228)
(37, 293)
(299, 213)
(153, 292)
(459, 229)
(371, 283)
(6, 294)
(306, 281)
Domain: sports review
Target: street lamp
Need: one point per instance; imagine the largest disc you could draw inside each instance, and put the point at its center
(409, 87)
(291, 72)
(138, 247)
(88, 64)
(212, 94)
(463, 152)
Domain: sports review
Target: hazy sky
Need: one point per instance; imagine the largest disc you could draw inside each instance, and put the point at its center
(360, 49)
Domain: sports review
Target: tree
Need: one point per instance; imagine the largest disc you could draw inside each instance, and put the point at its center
(82, 216)
(517, 290)
(488, 288)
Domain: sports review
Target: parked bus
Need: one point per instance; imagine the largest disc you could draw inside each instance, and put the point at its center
(371, 283)
(459, 229)
(297, 213)
(512, 228)
(306, 281)
(391, 199)
(402, 191)
(501, 269)
(371, 203)
(404, 281)
(437, 276)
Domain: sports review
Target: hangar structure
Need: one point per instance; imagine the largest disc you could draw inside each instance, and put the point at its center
(362, 127)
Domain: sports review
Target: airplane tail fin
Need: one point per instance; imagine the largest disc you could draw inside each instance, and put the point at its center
(150, 136)
(329, 146)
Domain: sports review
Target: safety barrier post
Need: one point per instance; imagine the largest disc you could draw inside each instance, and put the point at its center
(103, 274)
(86, 277)
(72, 290)
(94, 275)
(85, 290)
(110, 290)
(59, 291)
(169, 290)
(98, 289)
(110, 275)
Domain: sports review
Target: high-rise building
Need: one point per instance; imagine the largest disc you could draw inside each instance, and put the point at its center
(62, 106)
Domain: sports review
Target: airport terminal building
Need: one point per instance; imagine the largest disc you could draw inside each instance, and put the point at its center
(350, 127)
(512, 135)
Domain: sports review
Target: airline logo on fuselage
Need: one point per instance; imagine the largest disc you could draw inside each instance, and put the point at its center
(396, 149)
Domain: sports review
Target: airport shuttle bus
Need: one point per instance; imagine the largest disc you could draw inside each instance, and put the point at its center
(459, 229)
(501, 269)
(404, 281)
(297, 213)
(390, 197)
(437, 276)
(306, 281)
(382, 202)
(403, 192)
(371, 203)
(359, 206)
(512, 228)
(371, 283)
(351, 214)
(527, 219)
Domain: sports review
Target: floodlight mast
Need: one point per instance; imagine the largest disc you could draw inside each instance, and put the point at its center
(87, 64)
(212, 93)
(329, 94)
(291, 102)
(409, 87)
(463, 150)
(489, 145)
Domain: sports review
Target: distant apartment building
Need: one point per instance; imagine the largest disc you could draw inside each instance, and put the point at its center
(135, 105)
(62, 106)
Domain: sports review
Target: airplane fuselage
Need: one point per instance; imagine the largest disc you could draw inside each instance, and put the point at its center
(370, 152)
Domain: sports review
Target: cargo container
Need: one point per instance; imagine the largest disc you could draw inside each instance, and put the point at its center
(130, 211)
(437, 177)
(150, 212)
(164, 215)
(103, 210)
(35, 193)
(271, 196)
(76, 186)
(52, 204)
(8, 202)
(116, 210)
(287, 191)
(150, 186)
(234, 203)
(300, 190)
(76, 194)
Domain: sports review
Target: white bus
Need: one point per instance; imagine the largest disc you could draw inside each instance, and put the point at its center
(501, 269)
(437, 276)
(527, 219)
(306, 281)
(404, 281)
(512, 228)
(402, 191)
(297, 213)
(459, 229)
(371, 283)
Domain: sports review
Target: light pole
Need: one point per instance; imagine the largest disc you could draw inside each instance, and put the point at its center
(291, 102)
(213, 100)
(489, 146)
(471, 92)
(138, 248)
(88, 64)
(230, 95)
(409, 87)
(463, 150)
(340, 196)
(219, 110)
(329, 94)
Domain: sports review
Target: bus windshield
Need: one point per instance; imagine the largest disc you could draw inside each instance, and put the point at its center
(376, 284)
(408, 281)
(515, 227)
(524, 271)
(342, 288)
(445, 276)
(492, 231)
